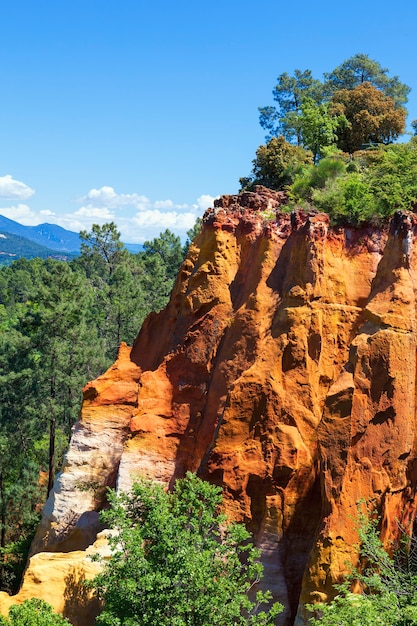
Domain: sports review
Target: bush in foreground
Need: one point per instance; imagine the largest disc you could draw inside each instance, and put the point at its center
(33, 612)
(176, 562)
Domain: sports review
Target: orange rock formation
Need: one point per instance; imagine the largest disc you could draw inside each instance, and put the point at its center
(283, 369)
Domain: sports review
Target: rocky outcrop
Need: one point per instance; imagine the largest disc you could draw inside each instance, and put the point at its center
(283, 369)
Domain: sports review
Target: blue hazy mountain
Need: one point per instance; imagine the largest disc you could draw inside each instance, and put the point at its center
(51, 236)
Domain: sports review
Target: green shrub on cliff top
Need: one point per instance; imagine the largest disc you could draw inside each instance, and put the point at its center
(363, 189)
(392, 179)
(276, 164)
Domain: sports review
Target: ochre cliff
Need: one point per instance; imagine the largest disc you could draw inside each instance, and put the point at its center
(283, 369)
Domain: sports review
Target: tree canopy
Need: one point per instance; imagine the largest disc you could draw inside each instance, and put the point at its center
(102, 244)
(330, 144)
(289, 93)
(371, 117)
(360, 69)
(319, 127)
(33, 612)
(292, 93)
(276, 164)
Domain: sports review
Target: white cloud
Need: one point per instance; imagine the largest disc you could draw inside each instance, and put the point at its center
(150, 218)
(204, 202)
(106, 197)
(21, 213)
(83, 218)
(168, 219)
(169, 204)
(137, 217)
(11, 188)
(92, 212)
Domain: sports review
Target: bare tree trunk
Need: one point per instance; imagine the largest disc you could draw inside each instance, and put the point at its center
(51, 471)
(2, 513)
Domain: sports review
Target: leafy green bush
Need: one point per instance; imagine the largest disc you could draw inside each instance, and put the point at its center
(392, 179)
(389, 586)
(33, 612)
(346, 199)
(277, 164)
(316, 177)
(175, 561)
(349, 609)
(373, 185)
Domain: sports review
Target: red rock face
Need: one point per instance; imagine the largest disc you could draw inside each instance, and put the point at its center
(283, 369)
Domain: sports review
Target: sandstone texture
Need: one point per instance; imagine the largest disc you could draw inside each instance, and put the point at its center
(58, 578)
(283, 369)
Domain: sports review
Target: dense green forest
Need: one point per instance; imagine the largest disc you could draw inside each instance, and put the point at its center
(60, 325)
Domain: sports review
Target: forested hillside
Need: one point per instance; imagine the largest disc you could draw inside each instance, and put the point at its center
(60, 326)
(13, 247)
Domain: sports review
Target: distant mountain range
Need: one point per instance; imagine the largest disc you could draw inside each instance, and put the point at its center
(49, 235)
(44, 240)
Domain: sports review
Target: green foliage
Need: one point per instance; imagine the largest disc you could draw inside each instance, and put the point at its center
(389, 586)
(33, 612)
(175, 561)
(127, 287)
(356, 202)
(48, 353)
(316, 177)
(289, 93)
(392, 180)
(371, 116)
(276, 164)
(359, 69)
(351, 609)
(102, 246)
(356, 106)
(319, 128)
(371, 186)
(305, 106)
(168, 247)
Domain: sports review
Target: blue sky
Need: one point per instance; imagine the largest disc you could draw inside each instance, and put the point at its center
(142, 112)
